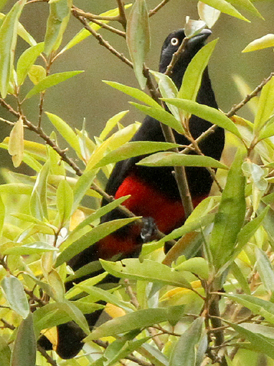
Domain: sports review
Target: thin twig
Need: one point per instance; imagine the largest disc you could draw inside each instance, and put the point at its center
(101, 40)
(49, 359)
(157, 8)
(122, 14)
(97, 20)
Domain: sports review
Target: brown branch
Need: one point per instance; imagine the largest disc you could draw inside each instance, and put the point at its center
(101, 40)
(253, 94)
(94, 18)
(157, 8)
(49, 359)
(122, 14)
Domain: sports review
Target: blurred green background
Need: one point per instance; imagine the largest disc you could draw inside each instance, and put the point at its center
(85, 97)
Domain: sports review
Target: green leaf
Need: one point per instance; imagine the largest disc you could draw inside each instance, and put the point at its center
(225, 7)
(260, 43)
(185, 347)
(38, 200)
(176, 159)
(5, 352)
(132, 149)
(196, 265)
(208, 113)
(121, 348)
(230, 216)
(240, 277)
(265, 269)
(148, 270)
(96, 215)
(134, 92)
(259, 342)
(208, 14)
(26, 60)
(75, 314)
(168, 89)
(194, 72)
(27, 249)
(247, 5)
(8, 37)
(64, 196)
(92, 237)
(65, 131)
(136, 320)
(161, 115)
(24, 351)
(106, 296)
(186, 228)
(37, 73)
(84, 33)
(83, 184)
(138, 38)
(16, 143)
(15, 295)
(2, 215)
(50, 81)
(248, 231)
(267, 130)
(56, 24)
(111, 123)
(256, 305)
(266, 107)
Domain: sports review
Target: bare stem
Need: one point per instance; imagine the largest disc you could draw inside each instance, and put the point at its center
(158, 7)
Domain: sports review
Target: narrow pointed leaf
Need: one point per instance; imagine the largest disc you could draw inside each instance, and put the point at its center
(161, 115)
(24, 351)
(230, 216)
(138, 38)
(133, 92)
(8, 37)
(5, 352)
(56, 24)
(256, 305)
(16, 143)
(208, 14)
(225, 7)
(26, 60)
(134, 148)
(260, 43)
(265, 269)
(168, 89)
(176, 159)
(50, 81)
(15, 295)
(136, 320)
(259, 342)
(247, 5)
(194, 72)
(64, 196)
(92, 237)
(84, 33)
(203, 111)
(184, 350)
(65, 131)
(266, 107)
(146, 271)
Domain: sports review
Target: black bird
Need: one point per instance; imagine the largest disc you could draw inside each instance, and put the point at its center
(153, 190)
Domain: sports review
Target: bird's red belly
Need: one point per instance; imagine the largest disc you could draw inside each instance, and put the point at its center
(146, 201)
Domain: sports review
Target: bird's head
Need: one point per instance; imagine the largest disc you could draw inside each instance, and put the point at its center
(172, 44)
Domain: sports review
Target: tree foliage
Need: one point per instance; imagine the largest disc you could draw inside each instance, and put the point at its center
(168, 310)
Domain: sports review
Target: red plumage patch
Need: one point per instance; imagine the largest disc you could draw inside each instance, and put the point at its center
(145, 201)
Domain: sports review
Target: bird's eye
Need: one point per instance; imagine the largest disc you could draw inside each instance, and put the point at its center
(174, 41)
